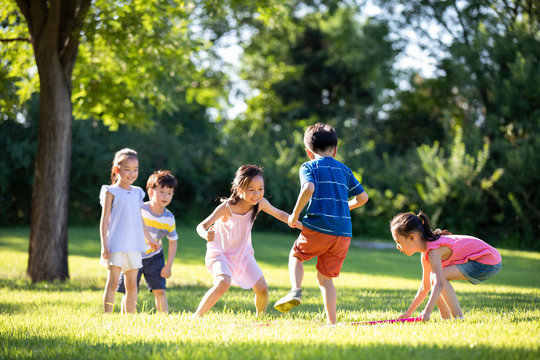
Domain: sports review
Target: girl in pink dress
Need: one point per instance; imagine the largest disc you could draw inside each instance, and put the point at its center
(444, 257)
(229, 254)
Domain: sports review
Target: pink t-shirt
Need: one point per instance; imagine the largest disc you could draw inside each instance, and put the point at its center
(465, 248)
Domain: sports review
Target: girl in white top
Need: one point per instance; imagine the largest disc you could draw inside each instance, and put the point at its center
(229, 254)
(122, 230)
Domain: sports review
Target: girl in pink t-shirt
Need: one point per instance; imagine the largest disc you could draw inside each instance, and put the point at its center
(229, 253)
(444, 257)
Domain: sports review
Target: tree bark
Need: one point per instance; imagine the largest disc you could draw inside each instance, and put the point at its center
(54, 28)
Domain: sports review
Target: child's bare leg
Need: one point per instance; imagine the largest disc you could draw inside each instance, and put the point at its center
(130, 283)
(221, 285)
(161, 300)
(296, 271)
(444, 310)
(113, 275)
(448, 292)
(123, 303)
(261, 295)
(326, 284)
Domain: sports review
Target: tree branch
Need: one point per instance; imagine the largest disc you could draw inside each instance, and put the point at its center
(70, 31)
(16, 39)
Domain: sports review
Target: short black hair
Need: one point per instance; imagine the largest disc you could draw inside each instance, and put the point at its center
(320, 137)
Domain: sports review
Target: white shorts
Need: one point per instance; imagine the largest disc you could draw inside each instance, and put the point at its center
(126, 260)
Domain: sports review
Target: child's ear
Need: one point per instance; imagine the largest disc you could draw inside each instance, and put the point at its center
(116, 170)
(310, 154)
(334, 152)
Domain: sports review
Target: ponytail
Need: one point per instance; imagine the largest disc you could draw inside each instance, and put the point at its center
(407, 223)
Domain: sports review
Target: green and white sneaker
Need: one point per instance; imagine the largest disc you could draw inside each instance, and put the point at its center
(289, 301)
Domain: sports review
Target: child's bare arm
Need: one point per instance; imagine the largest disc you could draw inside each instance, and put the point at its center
(166, 271)
(306, 192)
(202, 228)
(104, 224)
(281, 215)
(422, 291)
(358, 200)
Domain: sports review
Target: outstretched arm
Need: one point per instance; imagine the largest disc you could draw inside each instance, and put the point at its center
(437, 281)
(264, 205)
(306, 191)
(423, 290)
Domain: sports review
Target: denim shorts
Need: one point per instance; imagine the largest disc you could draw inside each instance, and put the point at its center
(151, 268)
(477, 272)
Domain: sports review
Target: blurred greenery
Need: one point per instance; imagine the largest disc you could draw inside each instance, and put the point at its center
(461, 144)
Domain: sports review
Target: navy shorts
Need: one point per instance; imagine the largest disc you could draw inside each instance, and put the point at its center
(477, 272)
(151, 268)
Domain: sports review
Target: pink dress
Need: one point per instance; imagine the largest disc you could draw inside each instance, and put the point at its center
(231, 252)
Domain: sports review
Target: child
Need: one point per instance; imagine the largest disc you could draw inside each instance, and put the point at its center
(326, 184)
(161, 223)
(443, 257)
(229, 254)
(122, 230)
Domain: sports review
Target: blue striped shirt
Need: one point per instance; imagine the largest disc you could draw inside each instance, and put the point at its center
(328, 209)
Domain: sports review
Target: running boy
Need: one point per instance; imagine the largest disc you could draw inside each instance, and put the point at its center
(326, 184)
(160, 223)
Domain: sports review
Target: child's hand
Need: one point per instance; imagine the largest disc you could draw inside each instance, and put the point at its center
(153, 244)
(210, 234)
(293, 219)
(425, 315)
(105, 253)
(404, 316)
(299, 225)
(166, 272)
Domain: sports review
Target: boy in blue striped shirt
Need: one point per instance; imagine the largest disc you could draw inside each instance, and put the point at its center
(327, 185)
(161, 224)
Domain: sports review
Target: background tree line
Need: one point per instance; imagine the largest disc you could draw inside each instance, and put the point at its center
(461, 144)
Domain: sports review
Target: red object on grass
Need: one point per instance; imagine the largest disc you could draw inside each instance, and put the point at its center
(387, 321)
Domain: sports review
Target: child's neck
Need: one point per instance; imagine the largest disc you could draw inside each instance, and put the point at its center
(327, 153)
(156, 208)
(123, 185)
(242, 206)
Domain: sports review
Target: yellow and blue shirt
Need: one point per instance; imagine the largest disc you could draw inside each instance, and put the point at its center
(159, 226)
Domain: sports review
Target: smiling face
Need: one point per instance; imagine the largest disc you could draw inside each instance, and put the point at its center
(127, 172)
(254, 191)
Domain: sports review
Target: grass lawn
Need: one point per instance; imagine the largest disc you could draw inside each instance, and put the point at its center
(65, 321)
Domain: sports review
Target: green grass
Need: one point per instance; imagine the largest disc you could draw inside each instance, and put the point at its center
(65, 321)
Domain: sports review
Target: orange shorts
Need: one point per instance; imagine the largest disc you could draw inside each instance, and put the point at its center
(330, 250)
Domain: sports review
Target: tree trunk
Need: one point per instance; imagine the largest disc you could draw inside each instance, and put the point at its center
(54, 28)
(48, 253)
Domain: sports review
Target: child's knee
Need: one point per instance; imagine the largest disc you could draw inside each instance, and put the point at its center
(323, 279)
(222, 283)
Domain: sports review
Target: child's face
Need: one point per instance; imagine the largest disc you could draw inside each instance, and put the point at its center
(254, 191)
(405, 244)
(128, 171)
(161, 196)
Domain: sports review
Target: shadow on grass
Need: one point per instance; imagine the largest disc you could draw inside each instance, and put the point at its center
(68, 348)
(273, 249)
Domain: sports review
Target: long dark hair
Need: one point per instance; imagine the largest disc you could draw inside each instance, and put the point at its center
(242, 178)
(407, 223)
